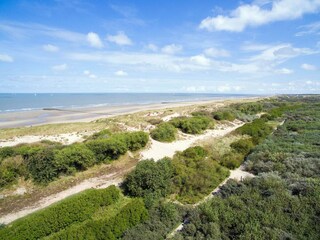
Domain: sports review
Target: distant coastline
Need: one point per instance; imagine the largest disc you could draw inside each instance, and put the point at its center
(24, 102)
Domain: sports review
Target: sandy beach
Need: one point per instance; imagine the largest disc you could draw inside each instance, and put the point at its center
(41, 117)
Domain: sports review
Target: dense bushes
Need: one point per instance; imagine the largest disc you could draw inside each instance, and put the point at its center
(293, 149)
(150, 180)
(195, 175)
(258, 130)
(77, 208)
(223, 115)
(265, 207)
(111, 148)
(107, 228)
(76, 157)
(164, 132)
(45, 161)
(163, 218)
(192, 125)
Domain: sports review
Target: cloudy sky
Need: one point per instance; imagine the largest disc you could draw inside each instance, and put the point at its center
(217, 46)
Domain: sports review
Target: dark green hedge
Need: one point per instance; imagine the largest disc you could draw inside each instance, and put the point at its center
(130, 215)
(76, 208)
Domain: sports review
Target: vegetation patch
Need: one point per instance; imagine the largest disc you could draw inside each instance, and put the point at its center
(164, 132)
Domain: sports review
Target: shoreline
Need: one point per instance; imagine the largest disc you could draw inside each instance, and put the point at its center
(89, 114)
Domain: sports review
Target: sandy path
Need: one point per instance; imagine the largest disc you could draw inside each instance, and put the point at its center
(159, 150)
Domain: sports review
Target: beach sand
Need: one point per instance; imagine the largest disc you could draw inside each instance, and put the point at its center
(41, 117)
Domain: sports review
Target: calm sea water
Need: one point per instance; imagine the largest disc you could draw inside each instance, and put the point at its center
(25, 102)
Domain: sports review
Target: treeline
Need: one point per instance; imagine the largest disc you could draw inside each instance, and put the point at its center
(46, 161)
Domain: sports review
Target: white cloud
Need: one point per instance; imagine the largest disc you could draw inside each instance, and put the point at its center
(284, 71)
(171, 49)
(313, 28)
(223, 88)
(94, 40)
(120, 39)
(309, 82)
(215, 52)
(50, 48)
(121, 73)
(280, 53)
(89, 74)
(308, 67)
(200, 60)
(152, 47)
(61, 67)
(5, 58)
(255, 15)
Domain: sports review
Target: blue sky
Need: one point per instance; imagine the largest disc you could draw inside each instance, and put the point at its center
(256, 46)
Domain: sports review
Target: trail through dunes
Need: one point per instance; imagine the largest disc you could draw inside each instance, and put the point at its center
(159, 150)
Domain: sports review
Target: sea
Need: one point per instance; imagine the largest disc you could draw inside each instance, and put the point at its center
(16, 102)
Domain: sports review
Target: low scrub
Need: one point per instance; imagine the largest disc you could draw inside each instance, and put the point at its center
(192, 125)
(223, 115)
(164, 132)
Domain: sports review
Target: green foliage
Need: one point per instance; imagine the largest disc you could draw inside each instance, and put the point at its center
(105, 133)
(118, 144)
(232, 160)
(195, 175)
(258, 130)
(243, 146)
(163, 218)
(192, 125)
(11, 169)
(262, 208)
(107, 149)
(293, 149)
(201, 113)
(223, 115)
(136, 140)
(107, 228)
(150, 180)
(76, 157)
(249, 108)
(164, 132)
(74, 209)
(41, 165)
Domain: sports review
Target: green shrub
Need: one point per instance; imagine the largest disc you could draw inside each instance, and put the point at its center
(258, 130)
(100, 135)
(232, 160)
(195, 175)
(74, 209)
(164, 132)
(136, 140)
(76, 157)
(6, 152)
(41, 165)
(149, 179)
(107, 149)
(11, 169)
(243, 146)
(223, 115)
(201, 113)
(192, 125)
